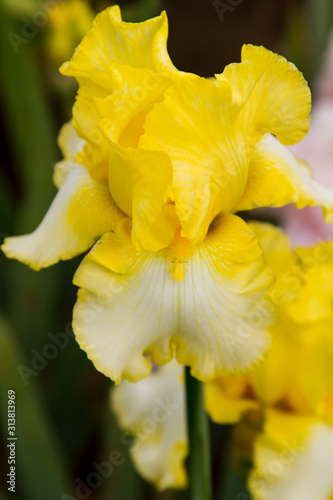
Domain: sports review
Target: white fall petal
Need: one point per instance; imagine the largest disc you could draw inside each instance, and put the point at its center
(216, 320)
(153, 411)
(293, 467)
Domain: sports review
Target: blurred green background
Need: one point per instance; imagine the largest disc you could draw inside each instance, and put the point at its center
(63, 418)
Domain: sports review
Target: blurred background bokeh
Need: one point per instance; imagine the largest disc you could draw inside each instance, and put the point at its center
(64, 423)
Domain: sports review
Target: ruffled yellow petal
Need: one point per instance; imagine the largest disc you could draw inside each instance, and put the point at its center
(86, 117)
(215, 320)
(141, 45)
(109, 59)
(197, 126)
(136, 90)
(293, 459)
(100, 115)
(81, 211)
(153, 411)
(124, 65)
(277, 178)
(227, 399)
(140, 183)
(272, 92)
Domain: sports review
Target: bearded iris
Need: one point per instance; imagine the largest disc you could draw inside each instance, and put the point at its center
(286, 403)
(157, 162)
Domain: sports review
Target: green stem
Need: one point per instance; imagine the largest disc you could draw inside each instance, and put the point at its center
(198, 435)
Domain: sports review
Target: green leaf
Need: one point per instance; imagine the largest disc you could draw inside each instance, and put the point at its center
(40, 471)
(32, 142)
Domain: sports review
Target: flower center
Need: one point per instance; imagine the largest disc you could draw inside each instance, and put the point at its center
(179, 254)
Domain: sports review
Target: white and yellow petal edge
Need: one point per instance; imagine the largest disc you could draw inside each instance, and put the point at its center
(293, 459)
(113, 41)
(276, 178)
(215, 320)
(153, 411)
(81, 211)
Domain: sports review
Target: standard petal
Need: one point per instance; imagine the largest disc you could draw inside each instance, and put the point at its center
(81, 211)
(276, 178)
(153, 411)
(140, 182)
(116, 112)
(197, 126)
(141, 45)
(136, 90)
(293, 459)
(86, 118)
(272, 92)
(215, 320)
(112, 45)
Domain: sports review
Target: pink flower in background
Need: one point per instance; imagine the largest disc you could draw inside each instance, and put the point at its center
(307, 226)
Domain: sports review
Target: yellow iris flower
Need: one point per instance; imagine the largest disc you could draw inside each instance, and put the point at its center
(291, 392)
(157, 162)
(293, 388)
